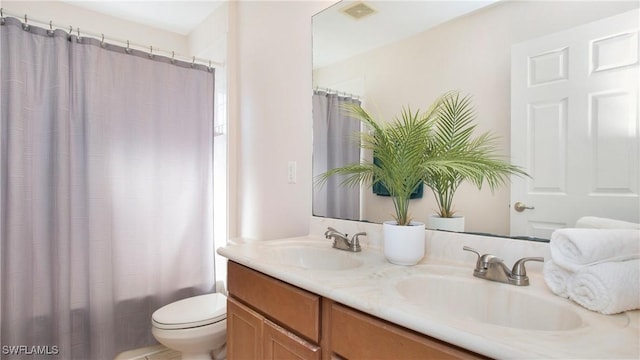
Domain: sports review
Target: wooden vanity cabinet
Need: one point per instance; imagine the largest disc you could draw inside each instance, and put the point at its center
(270, 319)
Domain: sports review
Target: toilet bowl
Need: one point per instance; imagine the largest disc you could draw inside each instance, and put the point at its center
(196, 326)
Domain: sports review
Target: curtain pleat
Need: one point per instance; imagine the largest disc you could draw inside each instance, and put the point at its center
(106, 162)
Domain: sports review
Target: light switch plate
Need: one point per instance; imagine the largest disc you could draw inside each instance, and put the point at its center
(291, 172)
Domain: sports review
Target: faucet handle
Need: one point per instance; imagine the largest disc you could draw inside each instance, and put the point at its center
(327, 234)
(330, 230)
(519, 269)
(355, 236)
(355, 242)
(466, 248)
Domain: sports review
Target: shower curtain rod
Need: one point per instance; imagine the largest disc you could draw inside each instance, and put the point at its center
(337, 92)
(129, 45)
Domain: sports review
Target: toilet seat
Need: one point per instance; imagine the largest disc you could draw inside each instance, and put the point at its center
(191, 312)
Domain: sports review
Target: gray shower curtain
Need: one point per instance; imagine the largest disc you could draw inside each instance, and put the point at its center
(105, 203)
(334, 144)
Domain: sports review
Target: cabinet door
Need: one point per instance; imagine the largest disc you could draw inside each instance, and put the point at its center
(244, 332)
(284, 345)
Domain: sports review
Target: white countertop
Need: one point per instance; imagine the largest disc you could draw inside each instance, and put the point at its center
(373, 287)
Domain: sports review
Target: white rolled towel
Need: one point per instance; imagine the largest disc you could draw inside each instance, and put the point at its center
(556, 278)
(608, 288)
(575, 248)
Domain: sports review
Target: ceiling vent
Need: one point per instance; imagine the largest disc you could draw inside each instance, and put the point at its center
(358, 10)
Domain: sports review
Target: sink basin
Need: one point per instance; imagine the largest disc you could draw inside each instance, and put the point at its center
(312, 258)
(486, 302)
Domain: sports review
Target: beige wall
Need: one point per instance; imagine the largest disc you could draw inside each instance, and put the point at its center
(274, 116)
(471, 54)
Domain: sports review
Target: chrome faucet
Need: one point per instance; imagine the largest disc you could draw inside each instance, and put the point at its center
(490, 267)
(341, 241)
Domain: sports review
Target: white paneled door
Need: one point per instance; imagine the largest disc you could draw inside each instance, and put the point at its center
(574, 126)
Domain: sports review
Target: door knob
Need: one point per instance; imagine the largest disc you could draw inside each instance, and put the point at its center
(520, 207)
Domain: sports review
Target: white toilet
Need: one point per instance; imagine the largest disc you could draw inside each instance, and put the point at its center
(196, 326)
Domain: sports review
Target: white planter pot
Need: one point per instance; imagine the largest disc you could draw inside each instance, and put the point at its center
(455, 223)
(403, 245)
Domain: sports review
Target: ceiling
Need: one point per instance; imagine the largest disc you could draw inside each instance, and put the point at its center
(334, 32)
(176, 16)
(337, 37)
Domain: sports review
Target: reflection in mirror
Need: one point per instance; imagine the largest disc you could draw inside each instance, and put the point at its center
(334, 147)
(573, 125)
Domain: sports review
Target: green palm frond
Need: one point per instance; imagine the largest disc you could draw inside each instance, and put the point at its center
(476, 159)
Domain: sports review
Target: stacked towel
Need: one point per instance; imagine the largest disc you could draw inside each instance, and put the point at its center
(597, 268)
(608, 288)
(556, 278)
(574, 248)
(594, 222)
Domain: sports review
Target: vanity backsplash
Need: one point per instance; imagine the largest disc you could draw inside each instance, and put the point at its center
(442, 244)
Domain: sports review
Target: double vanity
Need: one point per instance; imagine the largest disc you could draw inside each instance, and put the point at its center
(329, 303)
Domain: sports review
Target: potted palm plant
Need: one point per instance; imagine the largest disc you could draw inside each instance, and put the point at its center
(454, 129)
(407, 154)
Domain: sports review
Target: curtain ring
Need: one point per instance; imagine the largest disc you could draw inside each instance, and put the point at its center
(50, 31)
(193, 62)
(2, 16)
(128, 49)
(102, 44)
(25, 26)
(173, 57)
(150, 51)
(79, 39)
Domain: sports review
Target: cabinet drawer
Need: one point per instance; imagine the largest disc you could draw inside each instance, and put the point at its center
(288, 305)
(355, 335)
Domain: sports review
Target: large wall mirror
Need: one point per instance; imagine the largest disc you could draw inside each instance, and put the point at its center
(556, 81)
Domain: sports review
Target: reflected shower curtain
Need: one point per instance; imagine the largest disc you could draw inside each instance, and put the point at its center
(334, 145)
(105, 201)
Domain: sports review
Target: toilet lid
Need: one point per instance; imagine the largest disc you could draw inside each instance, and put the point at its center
(191, 312)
